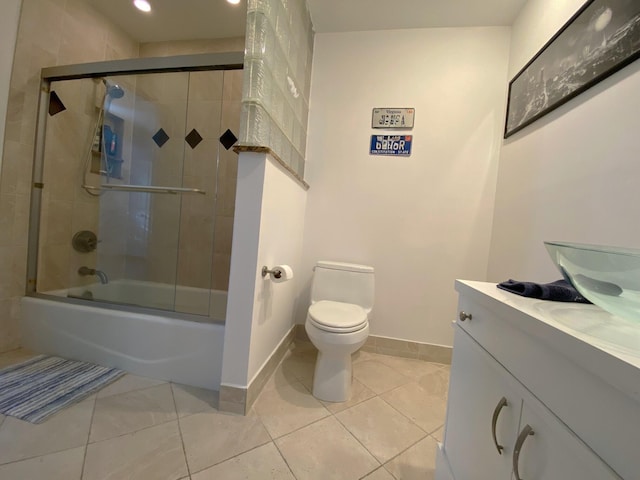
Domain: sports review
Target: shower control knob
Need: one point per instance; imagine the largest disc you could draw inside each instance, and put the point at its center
(464, 316)
(84, 241)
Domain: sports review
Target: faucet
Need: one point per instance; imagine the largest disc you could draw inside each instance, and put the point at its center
(84, 271)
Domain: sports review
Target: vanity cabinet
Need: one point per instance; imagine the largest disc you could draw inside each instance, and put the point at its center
(511, 387)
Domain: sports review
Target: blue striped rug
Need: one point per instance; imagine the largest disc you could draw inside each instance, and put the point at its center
(38, 388)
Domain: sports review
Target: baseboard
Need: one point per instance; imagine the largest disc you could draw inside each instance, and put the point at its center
(398, 348)
(240, 400)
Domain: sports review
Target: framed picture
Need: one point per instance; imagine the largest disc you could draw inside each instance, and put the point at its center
(600, 39)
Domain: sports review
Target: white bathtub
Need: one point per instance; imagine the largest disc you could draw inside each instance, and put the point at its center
(197, 301)
(155, 346)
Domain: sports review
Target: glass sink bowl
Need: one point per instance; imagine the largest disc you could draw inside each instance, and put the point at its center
(607, 276)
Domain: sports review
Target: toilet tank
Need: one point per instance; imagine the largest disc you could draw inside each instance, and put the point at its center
(343, 282)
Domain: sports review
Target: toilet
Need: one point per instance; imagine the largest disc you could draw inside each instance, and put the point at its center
(338, 324)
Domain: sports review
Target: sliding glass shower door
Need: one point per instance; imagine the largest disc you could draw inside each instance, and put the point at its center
(131, 167)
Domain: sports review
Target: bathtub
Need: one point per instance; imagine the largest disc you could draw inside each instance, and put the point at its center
(151, 345)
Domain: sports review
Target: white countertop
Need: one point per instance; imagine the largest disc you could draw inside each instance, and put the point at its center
(604, 344)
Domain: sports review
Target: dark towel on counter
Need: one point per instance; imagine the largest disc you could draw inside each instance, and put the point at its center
(558, 291)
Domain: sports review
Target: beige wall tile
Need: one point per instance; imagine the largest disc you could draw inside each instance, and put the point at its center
(206, 86)
(48, 35)
(9, 326)
(220, 273)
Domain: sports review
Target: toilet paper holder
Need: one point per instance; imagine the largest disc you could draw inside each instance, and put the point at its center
(276, 272)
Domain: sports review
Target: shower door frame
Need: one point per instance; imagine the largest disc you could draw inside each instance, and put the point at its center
(133, 66)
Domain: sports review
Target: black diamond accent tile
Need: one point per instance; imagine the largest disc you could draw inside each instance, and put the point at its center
(193, 138)
(55, 104)
(160, 138)
(228, 139)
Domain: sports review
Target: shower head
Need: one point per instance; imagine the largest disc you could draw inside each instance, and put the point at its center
(113, 89)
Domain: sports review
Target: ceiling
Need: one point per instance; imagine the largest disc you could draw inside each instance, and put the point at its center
(355, 15)
(200, 19)
(176, 19)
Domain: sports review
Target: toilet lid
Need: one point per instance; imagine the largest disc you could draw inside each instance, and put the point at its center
(337, 316)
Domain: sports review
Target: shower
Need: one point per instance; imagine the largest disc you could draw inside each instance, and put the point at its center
(149, 141)
(102, 138)
(153, 180)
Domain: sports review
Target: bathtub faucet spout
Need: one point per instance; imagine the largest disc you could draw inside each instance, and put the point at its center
(84, 271)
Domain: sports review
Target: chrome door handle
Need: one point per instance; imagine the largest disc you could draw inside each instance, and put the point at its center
(464, 316)
(526, 431)
(496, 412)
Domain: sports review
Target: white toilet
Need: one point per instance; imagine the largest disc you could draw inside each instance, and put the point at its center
(338, 324)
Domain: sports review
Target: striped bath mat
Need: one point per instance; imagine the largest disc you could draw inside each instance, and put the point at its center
(38, 388)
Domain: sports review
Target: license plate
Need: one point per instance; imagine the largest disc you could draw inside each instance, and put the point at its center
(395, 145)
(392, 118)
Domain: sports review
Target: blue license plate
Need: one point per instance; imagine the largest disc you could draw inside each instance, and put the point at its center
(396, 145)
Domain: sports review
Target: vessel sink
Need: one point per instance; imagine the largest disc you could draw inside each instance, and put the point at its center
(607, 276)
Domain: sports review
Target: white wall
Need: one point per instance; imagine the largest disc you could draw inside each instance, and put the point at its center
(281, 232)
(572, 175)
(268, 229)
(420, 221)
(8, 31)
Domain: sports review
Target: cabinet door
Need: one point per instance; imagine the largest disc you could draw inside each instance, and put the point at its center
(553, 452)
(477, 386)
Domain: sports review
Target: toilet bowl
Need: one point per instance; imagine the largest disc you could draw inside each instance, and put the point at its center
(338, 324)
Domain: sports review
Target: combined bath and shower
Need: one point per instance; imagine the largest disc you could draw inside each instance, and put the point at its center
(112, 91)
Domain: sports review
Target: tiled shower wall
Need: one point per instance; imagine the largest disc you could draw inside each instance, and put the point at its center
(51, 32)
(57, 32)
(278, 57)
(187, 236)
(66, 208)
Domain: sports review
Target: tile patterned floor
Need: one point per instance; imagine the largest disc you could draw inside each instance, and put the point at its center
(139, 428)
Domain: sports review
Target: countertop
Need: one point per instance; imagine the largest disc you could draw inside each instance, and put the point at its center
(603, 344)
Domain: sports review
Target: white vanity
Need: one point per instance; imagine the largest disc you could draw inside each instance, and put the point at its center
(540, 391)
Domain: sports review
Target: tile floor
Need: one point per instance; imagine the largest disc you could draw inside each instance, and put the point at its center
(139, 428)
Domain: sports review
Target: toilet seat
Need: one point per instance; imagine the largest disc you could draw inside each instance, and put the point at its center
(337, 317)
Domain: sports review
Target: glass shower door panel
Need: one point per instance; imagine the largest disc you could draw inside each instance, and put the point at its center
(198, 213)
(139, 230)
(66, 207)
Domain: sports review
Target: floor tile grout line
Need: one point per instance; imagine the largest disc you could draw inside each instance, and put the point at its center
(44, 455)
(381, 467)
(134, 431)
(163, 382)
(405, 416)
(358, 440)
(405, 450)
(230, 458)
(86, 443)
(285, 460)
(184, 449)
(300, 428)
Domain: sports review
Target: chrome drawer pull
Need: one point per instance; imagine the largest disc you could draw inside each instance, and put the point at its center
(464, 316)
(501, 404)
(526, 431)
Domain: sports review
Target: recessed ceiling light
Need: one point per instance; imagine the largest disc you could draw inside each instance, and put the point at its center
(142, 5)
(234, 2)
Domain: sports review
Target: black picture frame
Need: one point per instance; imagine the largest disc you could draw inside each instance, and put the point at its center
(597, 41)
